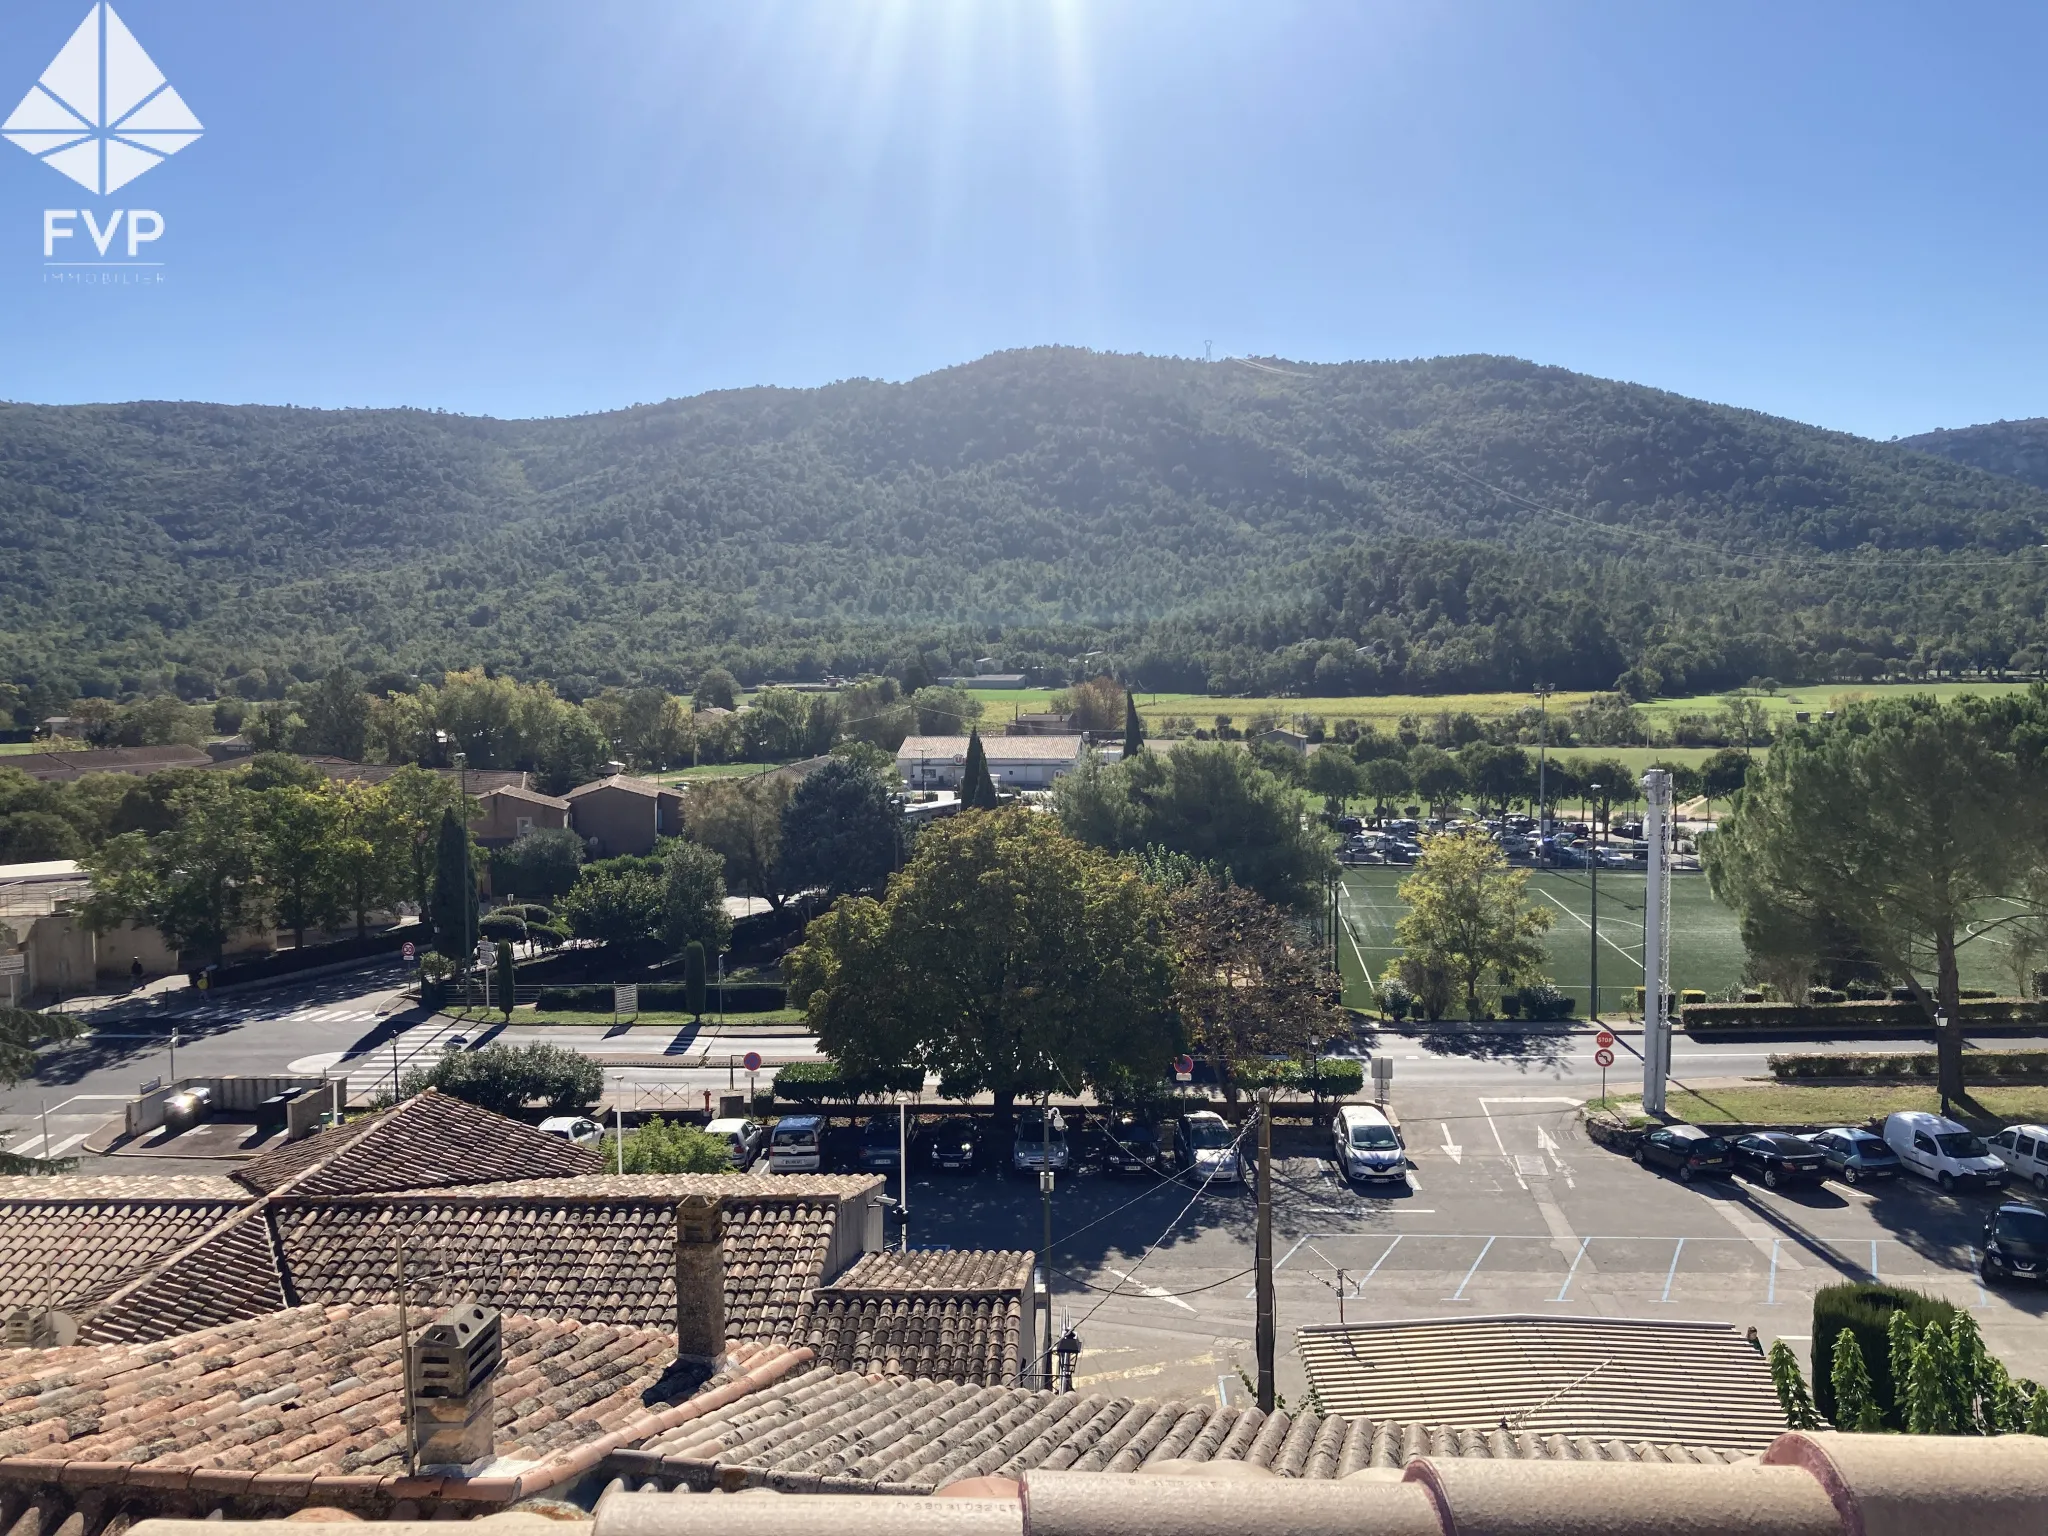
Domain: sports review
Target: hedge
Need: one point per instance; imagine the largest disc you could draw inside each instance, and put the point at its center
(1865, 1309)
(1858, 1015)
(819, 1082)
(665, 997)
(1977, 1065)
(1333, 1077)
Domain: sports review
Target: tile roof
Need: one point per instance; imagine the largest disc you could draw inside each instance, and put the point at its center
(64, 1241)
(56, 767)
(956, 1315)
(620, 781)
(315, 1392)
(920, 1269)
(582, 1248)
(430, 1140)
(1603, 1377)
(229, 1274)
(1000, 749)
(529, 796)
(827, 1430)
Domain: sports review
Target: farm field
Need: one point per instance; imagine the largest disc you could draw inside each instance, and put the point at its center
(1706, 947)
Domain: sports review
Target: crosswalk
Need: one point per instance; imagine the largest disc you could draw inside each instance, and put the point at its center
(224, 1013)
(374, 1072)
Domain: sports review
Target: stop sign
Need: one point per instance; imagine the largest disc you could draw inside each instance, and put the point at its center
(1603, 1039)
(751, 1061)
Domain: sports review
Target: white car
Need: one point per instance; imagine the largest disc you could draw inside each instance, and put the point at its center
(2024, 1150)
(743, 1136)
(1367, 1146)
(580, 1129)
(1937, 1148)
(1208, 1148)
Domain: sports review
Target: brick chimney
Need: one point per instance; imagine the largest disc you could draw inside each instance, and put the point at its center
(453, 1401)
(700, 1279)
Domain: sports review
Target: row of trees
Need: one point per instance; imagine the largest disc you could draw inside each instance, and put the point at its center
(1012, 958)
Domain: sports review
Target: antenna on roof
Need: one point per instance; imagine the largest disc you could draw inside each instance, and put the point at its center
(412, 1447)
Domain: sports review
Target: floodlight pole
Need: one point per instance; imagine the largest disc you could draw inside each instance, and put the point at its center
(1593, 926)
(1263, 1253)
(1656, 943)
(1542, 760)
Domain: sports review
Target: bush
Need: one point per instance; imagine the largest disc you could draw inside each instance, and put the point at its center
(1543, 1002)
(1865, 1309)
(503, 927)
(1906, 1064)
(1332, 1077)
(819, 1082)
(658, 1147)
(1824, 995)
(1395, 1000)
(506, 1078)
(667, 997)
(1895, 1015)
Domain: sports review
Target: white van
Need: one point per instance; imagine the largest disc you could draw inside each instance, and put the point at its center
(1936, 1148)
(797, 1144)
(2024, 1151)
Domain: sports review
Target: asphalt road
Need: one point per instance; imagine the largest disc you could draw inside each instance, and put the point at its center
(1507, 1208)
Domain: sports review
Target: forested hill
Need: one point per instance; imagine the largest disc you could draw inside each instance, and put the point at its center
(2015, 448)
(1470, 521)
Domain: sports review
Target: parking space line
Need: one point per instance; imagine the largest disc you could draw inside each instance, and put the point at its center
(1771, 1295)
(1376, 1263)
(1568, 1274)
(1671, 1274)
(1459, 1293)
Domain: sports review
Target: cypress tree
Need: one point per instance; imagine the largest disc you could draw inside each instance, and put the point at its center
(1902, 1334)
(1134, 729)
(971, 774)
(1855, 1403)
(693, 978)
(454, 901)
(507, 975)
(1792, 1393)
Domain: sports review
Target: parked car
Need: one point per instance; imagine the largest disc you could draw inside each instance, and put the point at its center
(1778, 1159)
(796, 1145)
(1133, 1146)
(2024, 1151)
(1854, 1154)
(1040, 1144)
(949, 1145)
(1937, 1148)
(580, 1129)
(1686, 1150)
(743, 1136)
(1367, 1145)
(2015, 1243)
(880, 1148)
(1208, 1148)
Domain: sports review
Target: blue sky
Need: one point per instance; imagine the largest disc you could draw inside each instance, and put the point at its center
(1829, 211)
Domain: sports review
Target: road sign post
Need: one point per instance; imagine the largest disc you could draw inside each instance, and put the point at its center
(752, 1062)
(1382, 1079)
(625, 1001)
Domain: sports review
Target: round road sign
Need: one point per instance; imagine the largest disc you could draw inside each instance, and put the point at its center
(751, 1061)
(408, 951)
(1603, 1058)
(1603, 1039)
(1184, 1065)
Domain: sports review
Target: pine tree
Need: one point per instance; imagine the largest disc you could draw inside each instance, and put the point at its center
(454, 904)
(1902, 1334)
(1792, 1394)
(1855, 1402)
(1134, 729)
(693, 979)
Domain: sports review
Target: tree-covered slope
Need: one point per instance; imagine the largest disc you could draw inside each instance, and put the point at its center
(1171, 509)
(2015, 448)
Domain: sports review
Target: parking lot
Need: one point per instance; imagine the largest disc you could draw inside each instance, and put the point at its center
(1507, 1209)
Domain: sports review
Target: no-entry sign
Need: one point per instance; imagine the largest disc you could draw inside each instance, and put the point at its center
(1603, 1039)
(1603, 1058)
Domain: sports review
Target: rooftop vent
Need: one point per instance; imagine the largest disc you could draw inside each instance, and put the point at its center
(452, 1401)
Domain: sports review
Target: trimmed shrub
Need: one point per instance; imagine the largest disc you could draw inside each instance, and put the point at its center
(1866, 1309)
(506, 1078)
(1906, 1064)
(819, 1082)
(666, 997)
(503, 928)
(659, 1147)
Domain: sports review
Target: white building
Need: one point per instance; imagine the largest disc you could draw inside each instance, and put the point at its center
(1014, 762)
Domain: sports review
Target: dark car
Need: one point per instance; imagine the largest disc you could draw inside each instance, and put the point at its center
(1778, 1159)
(1854, 1155)
(1133, 1146)
(950, 1146)
(880, 1146)
(1686, 1150)
(2015, 1243)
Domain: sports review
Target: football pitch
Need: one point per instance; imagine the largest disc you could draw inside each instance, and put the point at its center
(1706, 950)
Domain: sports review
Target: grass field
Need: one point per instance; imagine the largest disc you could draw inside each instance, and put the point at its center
(1770, 1104)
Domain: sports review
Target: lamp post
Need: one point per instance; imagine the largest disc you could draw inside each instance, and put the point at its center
(1067, 1351)
(1542, 760)
(903, 1166)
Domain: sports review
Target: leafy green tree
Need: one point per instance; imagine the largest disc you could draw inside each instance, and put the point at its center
(1855, 1403)
(454, 899)
(1930, 1389)
(1499, 776)
(22, 1031)
(1903, 1337)
(1249, 981)
(1333, 775)
(617, 901)
(418, 799)
(694, 979)
(540, 866)
(507, 978)
(1208, 801)
(1469, 915)
(661, 1147)
(693, 898)
(840, 830)
(28, 837)
(1436, 776)
(1385, 779)
(298, 858)
(1605, 782)
(370, 851)
(741, 821)
(1007, 957)
(944, 711)
(717, 689)
(280, 770)
(336, 716)
(1791, 1385)
(505, 1079)
(1893, 826)
(196, 881)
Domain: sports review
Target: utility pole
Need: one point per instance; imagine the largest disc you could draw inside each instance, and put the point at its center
(1593, 869)
(1264, 1252)
(1045, 1200)
(1656, 944)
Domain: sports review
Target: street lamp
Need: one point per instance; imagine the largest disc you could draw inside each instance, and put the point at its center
(1067, 1351)
(903, 1165)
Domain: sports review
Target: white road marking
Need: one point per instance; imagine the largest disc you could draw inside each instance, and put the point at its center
(1459, 1293)
(66, 1145)
(1157, 1293)
(1454, 1151)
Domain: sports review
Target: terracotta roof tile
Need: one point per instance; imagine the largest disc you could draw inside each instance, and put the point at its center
(229, 1274)
(972, 1338)
(967, 1269)
(63, 1242)
(429, 1140)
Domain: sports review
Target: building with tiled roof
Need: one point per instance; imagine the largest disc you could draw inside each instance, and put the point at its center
(66, 1240)
(952, 1316)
